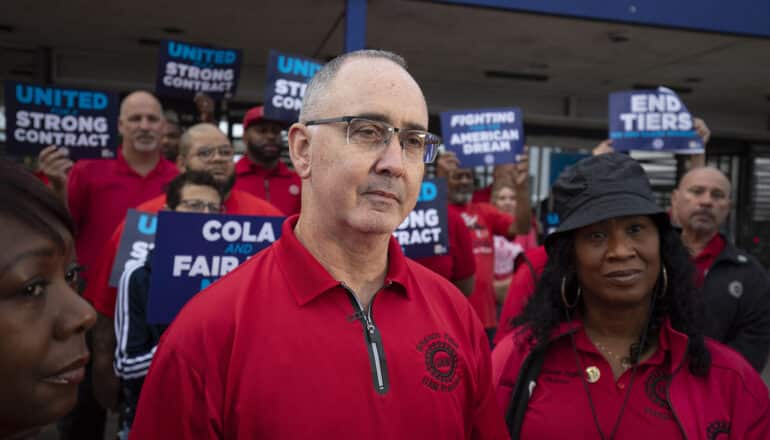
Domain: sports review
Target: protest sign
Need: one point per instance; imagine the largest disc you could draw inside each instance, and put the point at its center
(82, 121)
(287, 78)
(483, 136)
(423, 233)
(194, 250)
(187, 69)
(136, 242)
(652, 120)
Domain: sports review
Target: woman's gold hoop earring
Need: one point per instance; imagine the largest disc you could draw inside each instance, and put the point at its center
(564, 294)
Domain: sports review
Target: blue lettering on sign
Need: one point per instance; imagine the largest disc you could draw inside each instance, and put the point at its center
(296, 66)
(428, 192)
(205, 283)
(44, 96)
(200, 55)
(240, 248)
(147, 224)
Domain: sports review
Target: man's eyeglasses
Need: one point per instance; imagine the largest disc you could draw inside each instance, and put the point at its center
(418, 145)
(200, 206)
(207, 153)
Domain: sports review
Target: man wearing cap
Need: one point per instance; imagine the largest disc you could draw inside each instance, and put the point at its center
(261, 171)
(736, 288)
(331, 332)
(203, 147)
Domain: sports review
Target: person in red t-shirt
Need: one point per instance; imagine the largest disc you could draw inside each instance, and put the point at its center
(485, 221)
(203, 147)
(100, 191)
(261, 171)
(458, 266)
(521, 289)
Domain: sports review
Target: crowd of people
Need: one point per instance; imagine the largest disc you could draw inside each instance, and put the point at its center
(631, 320)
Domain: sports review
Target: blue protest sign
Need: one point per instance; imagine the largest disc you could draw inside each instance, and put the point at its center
(483, 136)
(82, 121)
(194, 250)
(424, 233)
(652, 120)
(187, 69)
(136, 242)
(287, 78)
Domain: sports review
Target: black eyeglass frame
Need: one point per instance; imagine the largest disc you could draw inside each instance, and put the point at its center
(431, 148)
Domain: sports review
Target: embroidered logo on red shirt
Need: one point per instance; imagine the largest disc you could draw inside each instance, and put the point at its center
(656, 386)
(714, 429)
(441, 362)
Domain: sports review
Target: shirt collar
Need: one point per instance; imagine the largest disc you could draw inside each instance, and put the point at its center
(713, 248)
(308, 279)
(669, 339)
(160, 167)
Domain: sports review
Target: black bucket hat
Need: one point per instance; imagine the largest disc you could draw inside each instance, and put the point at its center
(602, 187)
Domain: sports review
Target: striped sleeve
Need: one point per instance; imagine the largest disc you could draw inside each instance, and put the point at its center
(136, 344)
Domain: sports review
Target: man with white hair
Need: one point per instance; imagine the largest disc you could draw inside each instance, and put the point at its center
(331, 332)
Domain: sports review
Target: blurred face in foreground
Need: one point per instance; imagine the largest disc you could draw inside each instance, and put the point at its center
(43, 321)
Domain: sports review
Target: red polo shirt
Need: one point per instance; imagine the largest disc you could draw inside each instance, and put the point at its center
(706, 258)
(99, 292)
(459, 263)
(100, 191)
(278, 349)
(559, 392)
(484, 221)
(279, 186)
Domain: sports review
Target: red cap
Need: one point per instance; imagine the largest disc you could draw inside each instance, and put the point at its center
(255, 114)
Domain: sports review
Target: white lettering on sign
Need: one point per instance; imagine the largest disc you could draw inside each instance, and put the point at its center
(420, 218)
(200, 266)
(231, 231)
(417, 236)
(483, 118)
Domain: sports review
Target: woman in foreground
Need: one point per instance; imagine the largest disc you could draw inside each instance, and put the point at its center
(42, 319)
(610, 347)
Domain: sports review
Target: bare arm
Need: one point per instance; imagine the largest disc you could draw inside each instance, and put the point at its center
(523, 207)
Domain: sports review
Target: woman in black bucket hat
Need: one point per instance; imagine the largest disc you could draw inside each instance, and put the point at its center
(610, 345)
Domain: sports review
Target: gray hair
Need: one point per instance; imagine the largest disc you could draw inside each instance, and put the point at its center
(318, 86)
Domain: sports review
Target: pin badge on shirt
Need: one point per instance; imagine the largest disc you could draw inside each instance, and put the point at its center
(736, 289)
(593, 374)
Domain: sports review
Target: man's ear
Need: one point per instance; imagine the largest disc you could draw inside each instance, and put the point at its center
(299, 149)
